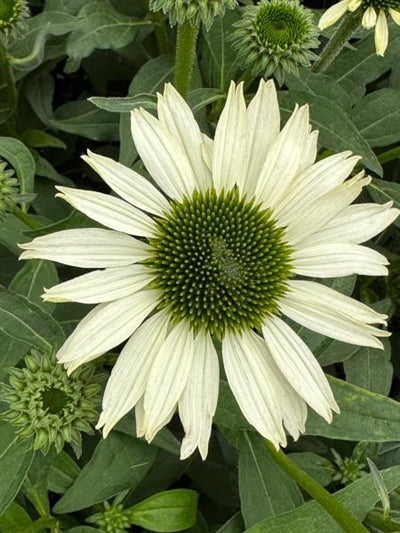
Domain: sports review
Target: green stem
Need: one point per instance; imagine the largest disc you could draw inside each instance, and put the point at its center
(389, 155)
(340, 514)
(160, 29)
(338, 40)
(26, 219)
(185, 54)
(374, 518)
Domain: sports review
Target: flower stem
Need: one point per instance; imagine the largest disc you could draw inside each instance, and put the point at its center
(338, 40)
(340, 514)
(26, 219)
(160, 30)
(389, 155)
(185, 54)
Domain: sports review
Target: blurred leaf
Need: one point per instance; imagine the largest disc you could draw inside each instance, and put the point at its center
(386, 191)
(99, 26)
(26, 322)
(377, 117)
(41, 139)
(370, 368)
(265, 490)
(172, 510)
(31, 280)
(381, 488)
(16, 456)
(359, 497)
(118, 463)
(15, 520)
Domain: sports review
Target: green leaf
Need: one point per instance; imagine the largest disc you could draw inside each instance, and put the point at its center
(172, 510)
(386, 191)
(364, 416)
(31, 280)
(12, 231)
(99, 26)
(35, 483)
(265, 490)
(359, 497)
(21, 160)
(320, 468)
(337, 131)
(124, 104)
(377, 117)
(28, 323)
(370, 368)
(41, 139)
(200, 98)
(63, 472)
(15, 459)
(233, 525)
(15, 519)
(118, 463)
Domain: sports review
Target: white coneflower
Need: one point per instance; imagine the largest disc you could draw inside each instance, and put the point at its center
(375, 13)
(211, 253)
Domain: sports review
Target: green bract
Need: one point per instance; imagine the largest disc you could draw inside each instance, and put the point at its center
(221, 262)
(12, 11)
(8, 189)
(274, 37)
(192, 11)
(47, 404)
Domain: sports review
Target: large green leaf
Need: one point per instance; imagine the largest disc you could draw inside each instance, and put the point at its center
(359, 497)
(118, 463)
(386, 191)
(265, 490)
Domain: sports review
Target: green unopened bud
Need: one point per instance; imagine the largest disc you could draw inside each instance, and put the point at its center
(112, 520)
(12, 12)
(192, 11)
(274, 37)
(51, 406)
(8, 189)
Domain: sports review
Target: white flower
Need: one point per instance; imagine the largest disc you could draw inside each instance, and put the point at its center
(375, 12)
(211, 252)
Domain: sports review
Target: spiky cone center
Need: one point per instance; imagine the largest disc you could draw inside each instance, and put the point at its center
(48, 405)
(192, 11)
(379, 5)
(12, 11)
(221, 262)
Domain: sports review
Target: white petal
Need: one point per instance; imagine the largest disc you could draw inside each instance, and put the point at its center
(128, 184)
(263, 122)
(333, 14)
(327, 319)
(207, 149)
(162, 155)
(369, 18)
(355, 224)
(296, 362)
(354, 4)
(230, 151)
(199, 399)
(109, 211)
(106, 326)
(139, 416)
(381, 33)
(178, 118)
(129, 375)
(342, 259)
(252, 384)
(101, 285)
(168, 378)
(314, 183)
(285, 159)
(395, 14)
(322, 210)
(87, 248)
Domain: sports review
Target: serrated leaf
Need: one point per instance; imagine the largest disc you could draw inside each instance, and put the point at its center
(118, 463)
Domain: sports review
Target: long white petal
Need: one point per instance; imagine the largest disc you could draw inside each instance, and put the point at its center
(128, 184)
(342, 259)
(230, 150)
(395, 14)
(252, 384)
(333, 14)
(168, 378)
(106, 326)
(199, 399)
(369, 18)
(313, 183)
(128, 379)
(355, 224)
(109, 211)
(101, 285)
(162, 155)
(285, 159)
(178, 118)
(296, 362)
(322, 210)
(381, 33)
(263, 121)
(87, 248)
(324, 318)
